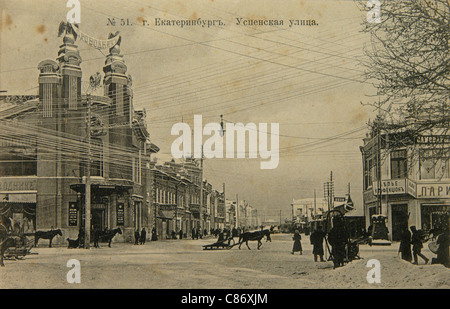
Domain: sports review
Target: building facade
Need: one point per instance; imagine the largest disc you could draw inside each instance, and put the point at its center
(406, 180)
(63, 140)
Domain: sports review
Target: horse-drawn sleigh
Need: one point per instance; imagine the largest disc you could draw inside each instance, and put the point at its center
(243, 238)
(13, 245)
(220, 244)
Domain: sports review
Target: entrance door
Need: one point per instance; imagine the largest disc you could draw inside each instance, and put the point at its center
(399, 220)
(98, 219)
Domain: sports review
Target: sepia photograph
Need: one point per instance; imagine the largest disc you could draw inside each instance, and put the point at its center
(232, 146)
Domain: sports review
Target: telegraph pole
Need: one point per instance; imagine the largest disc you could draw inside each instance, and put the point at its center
(94, 83)
(315, 209)
(87, 211)
(201, 188)
(237, 211)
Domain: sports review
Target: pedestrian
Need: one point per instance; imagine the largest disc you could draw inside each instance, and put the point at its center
(136, 237)
(154, 234)
(174, 235)
(180, 233)
(443, 254)
(338, 239)
(297, 243)
(316, 239)
(416, 241)
(143, 236)
(405, 245)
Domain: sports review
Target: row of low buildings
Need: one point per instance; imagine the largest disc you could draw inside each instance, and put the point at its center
(57, 143)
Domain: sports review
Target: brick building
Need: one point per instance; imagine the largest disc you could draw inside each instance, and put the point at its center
(49, 141)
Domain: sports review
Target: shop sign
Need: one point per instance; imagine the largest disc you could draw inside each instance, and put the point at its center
(73, 214)
(120, 214)
(433, 190)
(18, 184)
(391, 187)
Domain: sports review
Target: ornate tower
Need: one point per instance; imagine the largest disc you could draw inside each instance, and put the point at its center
(69, 59)
(117, 86)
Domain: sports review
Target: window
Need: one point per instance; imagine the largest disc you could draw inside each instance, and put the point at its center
(399, 164)
(368, 165)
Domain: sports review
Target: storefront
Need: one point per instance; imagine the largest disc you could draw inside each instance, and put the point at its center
(18, 202)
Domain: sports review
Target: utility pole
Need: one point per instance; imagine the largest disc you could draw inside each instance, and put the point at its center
(201, 188)
(237, 211)
(315, 209)
(379, 161)
(87, 210)
(94, 83)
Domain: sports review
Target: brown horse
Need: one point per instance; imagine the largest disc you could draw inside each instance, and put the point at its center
(257, 236)
(46, 235)
(105, 236)
(6, 227)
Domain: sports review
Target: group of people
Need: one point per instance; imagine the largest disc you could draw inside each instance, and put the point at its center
(139, 239)
(337, 238)
(316, 238)
(416, 240)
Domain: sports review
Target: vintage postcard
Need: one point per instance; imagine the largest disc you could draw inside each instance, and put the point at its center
(224, 144)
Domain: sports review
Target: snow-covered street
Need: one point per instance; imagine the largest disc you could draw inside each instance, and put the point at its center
(182, 264)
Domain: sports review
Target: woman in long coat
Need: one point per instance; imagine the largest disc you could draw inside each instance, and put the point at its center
(405, 245)
(297, 243)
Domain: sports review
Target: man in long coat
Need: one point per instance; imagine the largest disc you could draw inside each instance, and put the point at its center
(316, 239)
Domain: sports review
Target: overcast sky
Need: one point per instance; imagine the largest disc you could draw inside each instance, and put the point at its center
(306, 78)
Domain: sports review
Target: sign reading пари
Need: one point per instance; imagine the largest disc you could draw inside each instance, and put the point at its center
(433, 190)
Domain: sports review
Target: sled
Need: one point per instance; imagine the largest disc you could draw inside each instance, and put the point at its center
(218, 246)
(20, 251)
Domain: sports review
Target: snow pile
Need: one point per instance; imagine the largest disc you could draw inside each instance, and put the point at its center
(395, 273)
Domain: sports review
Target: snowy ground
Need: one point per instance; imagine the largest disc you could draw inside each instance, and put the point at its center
(183, 264)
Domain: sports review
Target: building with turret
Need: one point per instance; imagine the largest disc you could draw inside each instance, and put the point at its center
(66, 153)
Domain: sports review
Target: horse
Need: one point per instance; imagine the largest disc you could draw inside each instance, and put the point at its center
(257, 235)
(6, 226)
(46, 235)
(105, 236)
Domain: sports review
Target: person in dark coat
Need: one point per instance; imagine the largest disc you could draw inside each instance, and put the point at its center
(338, 239)
(143, 236)
(180, 234)
(154, 234)
(136, 237)
(443, 254)
(405, 245)
(416, 241)
(297, 243)
(316, 239)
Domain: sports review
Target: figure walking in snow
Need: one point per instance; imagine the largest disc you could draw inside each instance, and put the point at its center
(316, 239)
(416, 241)
(405, 245)
(297, 243)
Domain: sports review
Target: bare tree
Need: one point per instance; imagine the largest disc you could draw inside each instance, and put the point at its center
(408, 63)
